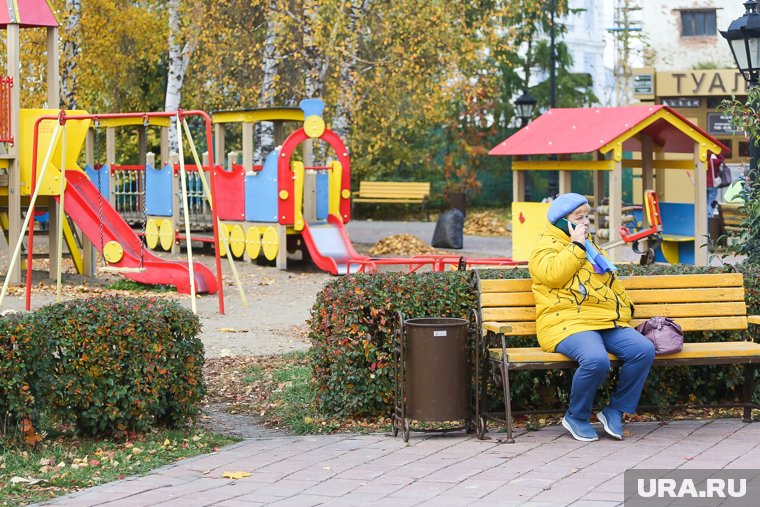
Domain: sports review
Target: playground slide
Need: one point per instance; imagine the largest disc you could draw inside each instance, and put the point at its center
(330, 247)
(82, 205)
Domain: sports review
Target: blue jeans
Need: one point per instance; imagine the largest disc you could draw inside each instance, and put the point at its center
(712, 195)
(589, 349)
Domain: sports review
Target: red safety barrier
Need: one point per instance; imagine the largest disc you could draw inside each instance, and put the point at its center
(436, 262)
(6, 134)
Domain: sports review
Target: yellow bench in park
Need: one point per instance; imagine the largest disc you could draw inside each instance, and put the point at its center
(731, 217)
(698, 302)
(394, 192)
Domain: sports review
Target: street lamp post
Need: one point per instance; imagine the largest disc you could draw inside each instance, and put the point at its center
(743, 36)
(524, 106)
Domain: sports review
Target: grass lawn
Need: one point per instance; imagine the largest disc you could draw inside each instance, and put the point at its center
(67, 463)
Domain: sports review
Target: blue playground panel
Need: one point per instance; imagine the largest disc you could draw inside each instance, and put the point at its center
(158, 191)
(677, 233)
(261, 192)
(323, 195)
(104, 178)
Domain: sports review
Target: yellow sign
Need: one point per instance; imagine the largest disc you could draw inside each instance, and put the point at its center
(701, 83)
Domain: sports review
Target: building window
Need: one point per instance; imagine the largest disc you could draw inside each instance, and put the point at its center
(697, 23)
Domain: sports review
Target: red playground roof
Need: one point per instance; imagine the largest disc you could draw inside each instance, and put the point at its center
(27, 13)
(586, 130)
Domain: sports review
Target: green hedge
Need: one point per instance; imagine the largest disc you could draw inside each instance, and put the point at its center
(24, 374)
(351, 330)
(108, 365)
(354, 318)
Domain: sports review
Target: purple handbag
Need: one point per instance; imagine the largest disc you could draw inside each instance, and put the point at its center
(666, 335)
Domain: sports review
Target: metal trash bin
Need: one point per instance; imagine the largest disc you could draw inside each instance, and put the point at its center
(432, 372)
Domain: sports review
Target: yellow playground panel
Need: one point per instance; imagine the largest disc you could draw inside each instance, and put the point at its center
(75, 134)
(528, 219)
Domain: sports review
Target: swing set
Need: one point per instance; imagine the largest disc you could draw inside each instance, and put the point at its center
(123, 251)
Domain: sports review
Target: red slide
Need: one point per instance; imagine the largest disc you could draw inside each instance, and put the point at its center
(330, 248)
(81, 204)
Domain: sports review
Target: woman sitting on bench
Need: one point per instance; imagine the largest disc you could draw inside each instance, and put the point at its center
(583, 312)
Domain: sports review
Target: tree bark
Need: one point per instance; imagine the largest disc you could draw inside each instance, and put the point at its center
(341, 124)
(271, 58)
(179, 58)
(70, 56)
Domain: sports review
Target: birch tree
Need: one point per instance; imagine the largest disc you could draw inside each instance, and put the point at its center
(269, 64)
(345, 105)
(179, 58)
(70, 55)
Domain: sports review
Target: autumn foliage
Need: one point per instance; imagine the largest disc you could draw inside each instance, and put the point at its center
(107, 365)
(351, 333)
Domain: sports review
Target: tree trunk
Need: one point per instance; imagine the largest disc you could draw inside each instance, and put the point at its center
(265, 129)
(179, 57)
(70, 56)
(341, 124)
(312, 53)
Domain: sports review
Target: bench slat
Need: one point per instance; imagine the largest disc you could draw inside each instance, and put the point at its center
(390, 200)
(716, 280)
(525, 328)
(513, 313)
(640, 296)
(513, 285)
(507, 299)
(690, 351)
(684, 281)
(690, 310)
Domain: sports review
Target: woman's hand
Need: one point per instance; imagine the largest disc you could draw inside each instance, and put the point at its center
(578, 232)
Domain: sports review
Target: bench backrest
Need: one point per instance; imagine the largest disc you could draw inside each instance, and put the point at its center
(697, 302)
(394, 189)
(730, 216)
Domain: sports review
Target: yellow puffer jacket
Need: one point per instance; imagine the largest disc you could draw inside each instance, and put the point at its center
(570, 296)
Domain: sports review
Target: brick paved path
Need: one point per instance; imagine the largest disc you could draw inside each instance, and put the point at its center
(544, 467)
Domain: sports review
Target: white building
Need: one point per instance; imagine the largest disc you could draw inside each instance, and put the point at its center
(586, 39)
(685, 34)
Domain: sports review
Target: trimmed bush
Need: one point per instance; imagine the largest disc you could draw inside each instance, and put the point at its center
(354, 318)
(124, 363)
(109, 364)
(351, 332)
(24, 375)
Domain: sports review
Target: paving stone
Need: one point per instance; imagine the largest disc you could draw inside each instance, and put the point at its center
(544, 467)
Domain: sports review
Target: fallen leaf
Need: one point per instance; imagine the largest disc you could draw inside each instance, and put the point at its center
(235, 475)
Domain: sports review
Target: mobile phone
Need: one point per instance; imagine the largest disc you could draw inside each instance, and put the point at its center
(562, 224)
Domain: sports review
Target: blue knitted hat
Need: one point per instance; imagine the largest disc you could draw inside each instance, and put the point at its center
(564, 205)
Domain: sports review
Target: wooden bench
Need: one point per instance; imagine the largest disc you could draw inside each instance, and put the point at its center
(702, 302)
(731, 217)
(394, 192)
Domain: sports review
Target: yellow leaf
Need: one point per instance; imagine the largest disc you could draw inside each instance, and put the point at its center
(167, 442)
(235, 475)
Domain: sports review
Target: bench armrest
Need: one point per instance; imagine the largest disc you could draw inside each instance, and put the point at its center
(497, 327)
(753, 319)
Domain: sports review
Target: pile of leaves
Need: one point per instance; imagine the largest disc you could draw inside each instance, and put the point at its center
(485, 223)
(403, 245)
